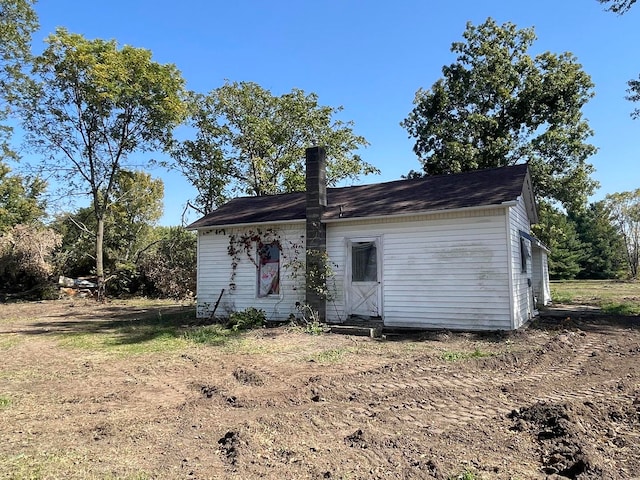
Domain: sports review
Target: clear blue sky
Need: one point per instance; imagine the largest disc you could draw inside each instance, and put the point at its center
(370, 57)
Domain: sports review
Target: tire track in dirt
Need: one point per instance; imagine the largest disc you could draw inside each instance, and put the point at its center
(483, 398)
(353, 408)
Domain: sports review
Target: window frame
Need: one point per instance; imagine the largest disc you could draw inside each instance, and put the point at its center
(260, 262)
(524, 255)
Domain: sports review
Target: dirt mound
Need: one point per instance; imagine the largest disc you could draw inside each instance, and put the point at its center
(248, 377)
(230, 446)
(565, 450)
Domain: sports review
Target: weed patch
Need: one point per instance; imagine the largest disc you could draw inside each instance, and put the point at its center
(621, 308)
(455, 356)
(247, 319)
(332, 355)
(216, 335)
(4, 402)
(466, 475)
(559, 296)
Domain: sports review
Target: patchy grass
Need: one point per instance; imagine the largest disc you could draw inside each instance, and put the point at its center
(626, 308)
(215, 335)
(156, 332)
(152, 331)
(58, 464)
(560, 296)
(614, 297)
(9, 342)
(4, 402)
(332, 355)
(455, 356)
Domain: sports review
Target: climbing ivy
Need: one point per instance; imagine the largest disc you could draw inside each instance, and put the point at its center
(245, 244)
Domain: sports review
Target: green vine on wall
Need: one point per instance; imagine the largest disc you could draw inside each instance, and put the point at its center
(320, 276)
(246, 244)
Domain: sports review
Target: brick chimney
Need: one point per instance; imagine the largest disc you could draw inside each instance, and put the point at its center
(316, 245)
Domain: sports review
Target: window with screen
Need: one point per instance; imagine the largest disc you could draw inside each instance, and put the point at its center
(364, 262)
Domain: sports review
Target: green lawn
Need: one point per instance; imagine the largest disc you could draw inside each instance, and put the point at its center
(612, 296)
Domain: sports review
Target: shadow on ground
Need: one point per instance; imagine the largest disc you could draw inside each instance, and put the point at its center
(582, 317)
(131, 324)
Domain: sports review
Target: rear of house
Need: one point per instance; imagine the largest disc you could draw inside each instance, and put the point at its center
(440, 252)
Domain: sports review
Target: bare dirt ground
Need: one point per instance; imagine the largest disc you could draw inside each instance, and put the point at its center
(559, 399)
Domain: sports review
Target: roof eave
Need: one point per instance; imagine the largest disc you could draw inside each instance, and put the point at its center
(248, 224)
(505, 204)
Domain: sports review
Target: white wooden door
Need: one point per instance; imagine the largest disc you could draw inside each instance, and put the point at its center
(364, 288)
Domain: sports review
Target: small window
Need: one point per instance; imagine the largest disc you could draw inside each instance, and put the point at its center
(364, 262)
(268, 270)
(524, 254)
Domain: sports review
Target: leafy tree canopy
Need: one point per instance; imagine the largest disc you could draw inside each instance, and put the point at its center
(249, 141)
(95, 105)
(497, 105)
(128, 227)
(618, 6)
(169, 267)
(603, 245)
(17, 22)
(634, 95)
(20, 199)
(625, 212)
(557, 232)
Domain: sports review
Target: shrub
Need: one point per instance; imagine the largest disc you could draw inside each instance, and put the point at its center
(169, 269)
(25, 256)
(249, 318)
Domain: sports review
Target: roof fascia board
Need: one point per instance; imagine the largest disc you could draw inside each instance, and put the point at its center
(250, 224)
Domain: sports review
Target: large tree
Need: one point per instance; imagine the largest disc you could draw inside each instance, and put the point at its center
(94, 106)
(249, 141)
(603, 245)
(625, 212)
(17, 22)
(558, 232)
(496, 105)
(129, 231)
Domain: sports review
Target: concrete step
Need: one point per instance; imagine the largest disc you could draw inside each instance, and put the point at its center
(360, 331)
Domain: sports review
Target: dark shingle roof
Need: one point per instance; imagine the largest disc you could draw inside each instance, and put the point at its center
(442, 192)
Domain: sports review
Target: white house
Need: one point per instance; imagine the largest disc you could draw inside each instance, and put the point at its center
(450, 251)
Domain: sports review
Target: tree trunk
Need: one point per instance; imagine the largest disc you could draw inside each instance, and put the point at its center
(99, 259)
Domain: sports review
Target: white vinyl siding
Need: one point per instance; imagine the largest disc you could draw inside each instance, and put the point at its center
(439, 271)
(540, 271)
(522, 291)
(215, 272)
